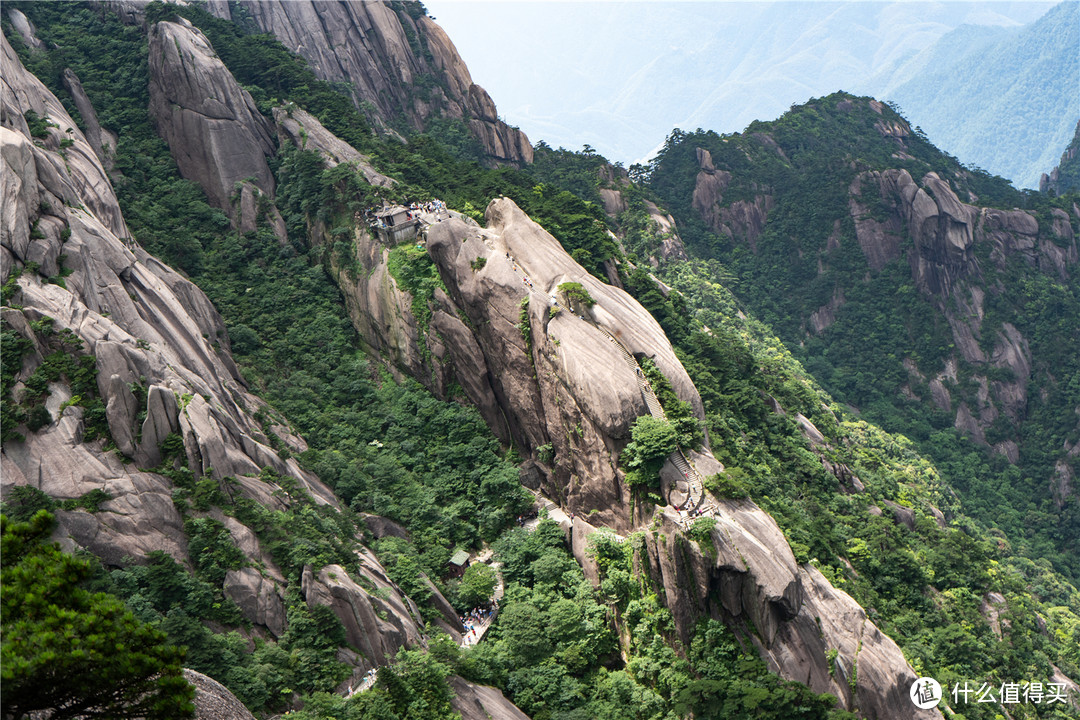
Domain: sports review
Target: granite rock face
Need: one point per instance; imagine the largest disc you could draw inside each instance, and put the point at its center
(553, 370)
(103, 141)
(384, 55)
(480, 702)
(163, 370)
(214, 131)
(213, 701)
(748, 578)
(376, 623)
(946, 232)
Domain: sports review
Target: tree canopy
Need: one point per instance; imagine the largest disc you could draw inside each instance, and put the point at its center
(74, 653)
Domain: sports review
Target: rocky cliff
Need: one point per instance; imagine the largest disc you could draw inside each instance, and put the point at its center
(396, 61)
(908, 205)
(549, 375)
(215, 133)
(171, 396)
(172, 400)
(1066, 175)
(748, 577)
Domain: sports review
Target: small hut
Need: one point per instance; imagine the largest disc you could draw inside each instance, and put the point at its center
(395, 225)
(457, 563)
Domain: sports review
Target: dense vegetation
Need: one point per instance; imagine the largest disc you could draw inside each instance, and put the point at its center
(75, 653)
(393, 449)
(924, 585)
(808, 253)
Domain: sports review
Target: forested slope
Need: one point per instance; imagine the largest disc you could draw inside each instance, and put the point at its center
(914, 289)
(661, 621)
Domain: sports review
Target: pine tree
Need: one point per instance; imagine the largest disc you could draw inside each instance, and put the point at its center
(71, 653)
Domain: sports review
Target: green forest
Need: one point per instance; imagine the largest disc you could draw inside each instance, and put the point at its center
(885, 320)
(563, 648)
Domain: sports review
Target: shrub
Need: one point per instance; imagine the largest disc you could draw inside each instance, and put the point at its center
(728, 484)
(576, 293)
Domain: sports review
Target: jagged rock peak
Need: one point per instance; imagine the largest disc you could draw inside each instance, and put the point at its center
(385, 55)
(143, 323)
(163, 368)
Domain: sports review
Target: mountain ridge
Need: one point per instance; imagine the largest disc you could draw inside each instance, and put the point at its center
(456, 303)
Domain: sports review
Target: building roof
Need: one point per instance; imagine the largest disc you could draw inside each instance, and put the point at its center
(394, 210)
(460, 558)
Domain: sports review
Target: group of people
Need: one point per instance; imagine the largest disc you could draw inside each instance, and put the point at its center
(476, 621)
(432, 206)
(365, 683)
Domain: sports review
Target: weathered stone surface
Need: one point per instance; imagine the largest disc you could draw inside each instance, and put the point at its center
(78, 178)
(144, 323)
(213, 701)
(580, 531)
(259, 598)
(480, 702)
(822, 318)
(902, 515)
(580, 378)
(25, 28)
(162, 418)
(305, 131)
(750, 579)
(381, 527)
(378, 627)
(103, 141)
(367, 45)
(215, 133)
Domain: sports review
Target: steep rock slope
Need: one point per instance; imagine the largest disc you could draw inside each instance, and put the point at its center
(400, 62)
(558, 387)
(215, 133)
(160, 355)
(172, 398)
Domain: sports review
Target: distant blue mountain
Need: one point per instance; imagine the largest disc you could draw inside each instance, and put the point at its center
(1005, 99)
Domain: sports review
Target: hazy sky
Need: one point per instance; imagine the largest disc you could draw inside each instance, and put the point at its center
(620, 75)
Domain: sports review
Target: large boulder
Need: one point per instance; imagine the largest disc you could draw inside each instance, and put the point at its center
(480, 702)
(378, 620)
(213, 701)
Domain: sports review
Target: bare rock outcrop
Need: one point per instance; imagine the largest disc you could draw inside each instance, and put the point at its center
(742, 220)
(480, 702)
(377, 619)
(215, 133)
(159, 349)
(25, 28)
(213, 701)
(103, 141)
(1053, 181)
(302, 129)
(942, 259)
(385, 55)
(550, 371)
(748, 577)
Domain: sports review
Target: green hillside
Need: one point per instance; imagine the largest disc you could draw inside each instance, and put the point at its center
(1018, 96)
(565, 648)
(807, 254)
